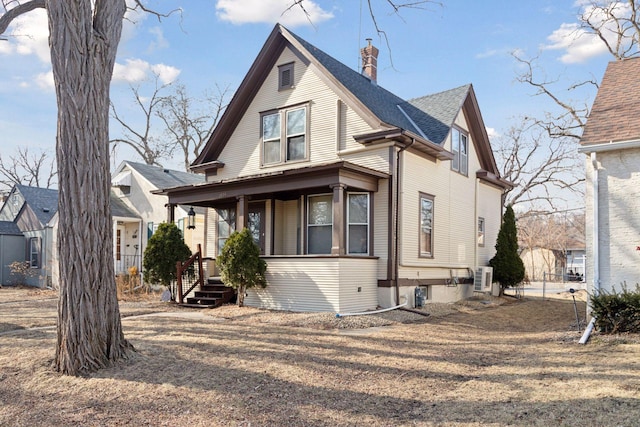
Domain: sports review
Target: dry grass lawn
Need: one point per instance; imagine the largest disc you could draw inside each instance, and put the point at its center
(482, 363)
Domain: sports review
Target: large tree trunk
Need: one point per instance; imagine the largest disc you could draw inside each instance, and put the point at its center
(83, 48)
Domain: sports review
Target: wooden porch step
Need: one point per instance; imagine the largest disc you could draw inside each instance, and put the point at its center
(197, 305)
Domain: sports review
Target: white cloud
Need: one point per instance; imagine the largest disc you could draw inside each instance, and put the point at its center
(488, 53)
(45, 80)
(270, 11)
(137, 70)
(492, 132)
(160, 42)
(580, 45)
(166, 73)
(29, 36)
(577, 44)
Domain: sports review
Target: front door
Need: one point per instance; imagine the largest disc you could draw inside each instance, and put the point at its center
(256, 223)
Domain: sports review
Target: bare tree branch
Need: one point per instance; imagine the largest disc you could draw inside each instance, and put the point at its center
(150, 148)
(14, 8)
(538, 165)
(28, 169)
(190, 121)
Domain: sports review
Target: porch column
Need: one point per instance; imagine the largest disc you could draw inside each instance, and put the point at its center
(171, 213)
(242, 212)
(338, 236)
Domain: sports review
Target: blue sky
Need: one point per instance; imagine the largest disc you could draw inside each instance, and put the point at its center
(215, 42)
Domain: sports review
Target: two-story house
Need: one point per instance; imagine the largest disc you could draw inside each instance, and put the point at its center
(356, 197)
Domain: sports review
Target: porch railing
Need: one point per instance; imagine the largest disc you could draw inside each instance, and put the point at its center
(189, 275)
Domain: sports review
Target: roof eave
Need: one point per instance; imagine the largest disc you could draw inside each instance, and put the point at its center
(406, 139)
(495, 180)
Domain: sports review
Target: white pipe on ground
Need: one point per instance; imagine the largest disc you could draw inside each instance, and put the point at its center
(362, 313)
(587, 332)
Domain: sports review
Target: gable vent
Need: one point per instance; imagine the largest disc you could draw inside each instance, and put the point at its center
(285, 76)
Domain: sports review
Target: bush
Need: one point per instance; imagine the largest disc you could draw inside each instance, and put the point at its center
(165, 248)
(617, 312)
(240, 264)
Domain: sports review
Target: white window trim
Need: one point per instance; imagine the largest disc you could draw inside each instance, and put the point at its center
(308, 225)
(367, 224)
(283, 136)
(455, 149)
(426, 254)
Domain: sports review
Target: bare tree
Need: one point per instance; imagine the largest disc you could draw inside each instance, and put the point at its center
(614, 23)
(190, 121)
(538, 166)
(151, 148)
(83, 38)
(33, 169)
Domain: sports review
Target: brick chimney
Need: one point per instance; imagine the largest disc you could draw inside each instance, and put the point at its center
(370, 61)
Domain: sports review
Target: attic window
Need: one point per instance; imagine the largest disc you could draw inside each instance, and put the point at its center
(285, 76)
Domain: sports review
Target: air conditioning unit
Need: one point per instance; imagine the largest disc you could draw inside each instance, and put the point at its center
(483, 278)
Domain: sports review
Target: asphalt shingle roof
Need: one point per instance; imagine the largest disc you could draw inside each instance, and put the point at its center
(43, 201)
(430, 115)
(9, 227)
(119, 208)
(166, 178)
(616, 110)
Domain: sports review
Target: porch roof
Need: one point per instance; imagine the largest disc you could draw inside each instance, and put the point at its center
(283, 184)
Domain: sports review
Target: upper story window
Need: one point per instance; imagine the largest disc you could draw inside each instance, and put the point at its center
(460, 148)
(285, 76)
(284, 136)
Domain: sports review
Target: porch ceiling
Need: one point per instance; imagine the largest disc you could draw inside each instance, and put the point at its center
(284, 184)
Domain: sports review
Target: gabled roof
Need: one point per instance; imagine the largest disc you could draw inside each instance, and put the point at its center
(427, 119)
(42, 201)
(615, 115)
(162, 177)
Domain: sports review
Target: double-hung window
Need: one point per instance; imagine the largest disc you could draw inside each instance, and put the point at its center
(319, 224)
(460, 148)
(284, 136)
(358, 223)
(426, 225)
(34, 252)
(480, 231)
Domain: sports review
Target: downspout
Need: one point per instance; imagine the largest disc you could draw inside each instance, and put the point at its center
(397, 220)
(595, 254)
(596, 223)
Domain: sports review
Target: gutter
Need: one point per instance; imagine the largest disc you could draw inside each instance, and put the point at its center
(609, 146)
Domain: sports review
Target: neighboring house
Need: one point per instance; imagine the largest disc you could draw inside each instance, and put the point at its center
(133, 184)
(356, 198)
(611, 141)
(555, 264)
(32, 211)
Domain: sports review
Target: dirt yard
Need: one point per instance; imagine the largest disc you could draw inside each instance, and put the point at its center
(480, 363)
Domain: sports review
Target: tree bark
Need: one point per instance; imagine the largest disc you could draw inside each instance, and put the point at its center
(83, 41)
